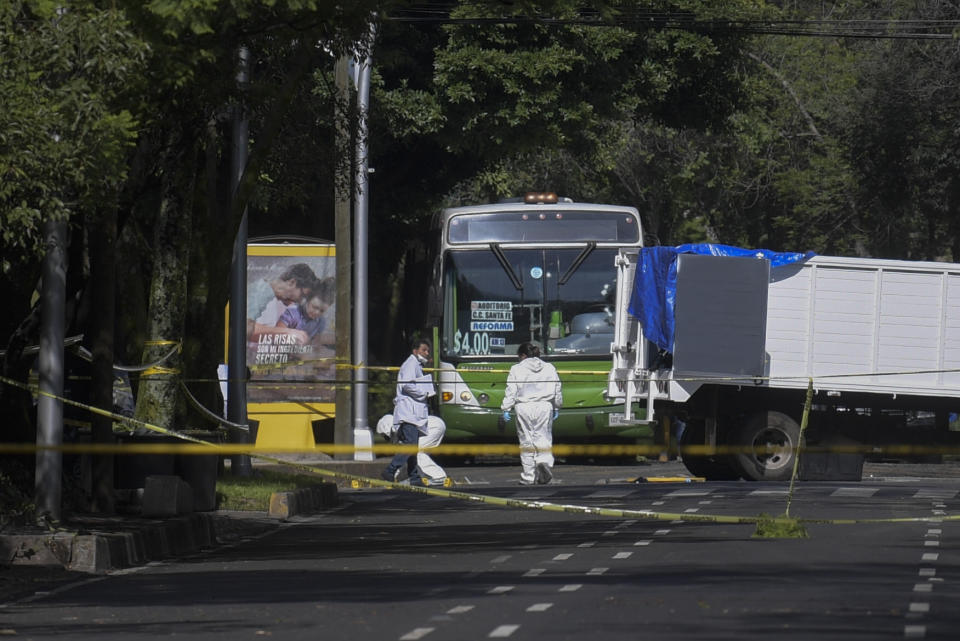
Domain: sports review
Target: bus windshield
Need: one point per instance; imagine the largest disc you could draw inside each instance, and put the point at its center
(489, 313)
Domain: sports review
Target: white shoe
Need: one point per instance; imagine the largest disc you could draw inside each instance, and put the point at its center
(543, 474)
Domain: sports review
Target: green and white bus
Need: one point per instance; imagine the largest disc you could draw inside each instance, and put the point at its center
(538, 269)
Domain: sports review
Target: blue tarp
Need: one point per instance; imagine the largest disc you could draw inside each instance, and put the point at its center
(655, 283)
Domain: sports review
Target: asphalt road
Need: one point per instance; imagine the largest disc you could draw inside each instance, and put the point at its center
(395, 565)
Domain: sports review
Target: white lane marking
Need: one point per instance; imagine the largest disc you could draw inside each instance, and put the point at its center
(661, 532)
(861, 492)
(503, 631)
(930, 556)
(767, 492)
(610, 533)
(643, 542)
(687, 493)
(500, 589)
(563, 557)
(692, 509)
(609, 494)
(623, 555)
(416, 633)
(931, 544)
(460, 609)
(914, 631)
(928, 572)
(570, 587)
(934, 532)
(534, 572)
(658, 503)
(935, 494)
(500, 559)
(704, 502)
(919, 607)
(539, 607)
(939, 513)
(587, 544)
(628, 523)
(923, 587)
(597, 571)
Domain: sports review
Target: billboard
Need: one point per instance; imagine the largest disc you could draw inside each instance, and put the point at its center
(291, 298)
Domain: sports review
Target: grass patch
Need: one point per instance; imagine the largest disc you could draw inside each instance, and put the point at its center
(252, 493)
(779, 527)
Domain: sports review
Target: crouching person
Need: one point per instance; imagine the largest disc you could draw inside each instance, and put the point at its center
(431, 435)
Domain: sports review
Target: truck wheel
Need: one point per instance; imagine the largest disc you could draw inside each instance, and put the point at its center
(776, 436)
(712, 468)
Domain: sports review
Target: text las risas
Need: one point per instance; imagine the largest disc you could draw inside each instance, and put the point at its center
(274, 349)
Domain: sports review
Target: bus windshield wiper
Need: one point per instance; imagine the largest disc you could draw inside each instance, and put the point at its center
(495, 248)
(575, 265)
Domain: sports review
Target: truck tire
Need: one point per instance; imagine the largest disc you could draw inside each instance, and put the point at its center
(773, 430)
(712, 468)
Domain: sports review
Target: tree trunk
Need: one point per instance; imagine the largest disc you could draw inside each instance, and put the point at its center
(343, 423)
(158, 399)
(103, 276)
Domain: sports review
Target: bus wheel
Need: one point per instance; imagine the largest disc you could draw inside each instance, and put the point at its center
(712, 467)
(773, 437)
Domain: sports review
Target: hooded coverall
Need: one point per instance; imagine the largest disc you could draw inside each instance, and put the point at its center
(435, 428)
(533, 388)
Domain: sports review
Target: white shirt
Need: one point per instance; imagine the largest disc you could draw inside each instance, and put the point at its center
(413, 390)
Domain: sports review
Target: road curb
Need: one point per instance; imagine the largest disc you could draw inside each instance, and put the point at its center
(304, 500)
(135, 542)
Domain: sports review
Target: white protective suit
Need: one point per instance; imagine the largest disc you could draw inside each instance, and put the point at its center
(533, 390)
(435, 429)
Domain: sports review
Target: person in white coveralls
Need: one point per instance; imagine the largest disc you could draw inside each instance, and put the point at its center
(430, 471)
(533, 389)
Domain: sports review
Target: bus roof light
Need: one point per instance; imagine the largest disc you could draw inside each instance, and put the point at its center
(540, 197)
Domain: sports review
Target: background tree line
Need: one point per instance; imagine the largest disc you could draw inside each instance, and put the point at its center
(115, 116)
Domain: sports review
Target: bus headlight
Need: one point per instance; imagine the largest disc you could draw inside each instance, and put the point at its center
(465, 396)
(483, 397)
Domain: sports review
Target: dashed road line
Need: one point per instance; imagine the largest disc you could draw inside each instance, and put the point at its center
(539, 607)
(460, 609)
(570, 587)
(416, 633)
(503, 631)
(856, 492)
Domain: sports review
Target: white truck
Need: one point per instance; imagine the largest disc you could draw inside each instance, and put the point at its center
(879, 338)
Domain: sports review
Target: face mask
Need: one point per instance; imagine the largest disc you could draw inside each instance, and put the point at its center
(422, 359)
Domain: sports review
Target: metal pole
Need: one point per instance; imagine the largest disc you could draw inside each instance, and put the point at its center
(237, 342)
(49, 463)
(362, 437)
